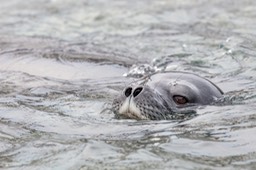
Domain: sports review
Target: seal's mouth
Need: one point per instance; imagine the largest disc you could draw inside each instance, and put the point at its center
(141, 103)
(129, 110)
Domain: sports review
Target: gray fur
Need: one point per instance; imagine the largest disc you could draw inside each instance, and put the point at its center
(156, 102)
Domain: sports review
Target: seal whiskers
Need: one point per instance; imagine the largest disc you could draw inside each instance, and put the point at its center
(161, 95)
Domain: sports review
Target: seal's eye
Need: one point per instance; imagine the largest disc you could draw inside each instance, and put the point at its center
(180, 99)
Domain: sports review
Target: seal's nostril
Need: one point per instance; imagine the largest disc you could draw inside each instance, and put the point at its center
(128, 91)
(137, 91)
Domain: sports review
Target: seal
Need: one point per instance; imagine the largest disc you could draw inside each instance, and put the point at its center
(161, 95)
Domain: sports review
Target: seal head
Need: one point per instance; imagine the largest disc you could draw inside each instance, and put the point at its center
(163, 95)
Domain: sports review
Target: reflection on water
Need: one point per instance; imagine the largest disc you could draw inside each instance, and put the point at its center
(61, 64)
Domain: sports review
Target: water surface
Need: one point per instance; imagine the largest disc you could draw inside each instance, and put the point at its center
(62, 63)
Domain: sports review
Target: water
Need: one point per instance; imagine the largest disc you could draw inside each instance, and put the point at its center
(62, 63)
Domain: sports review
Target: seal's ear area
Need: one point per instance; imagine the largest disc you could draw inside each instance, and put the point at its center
(180, 100)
